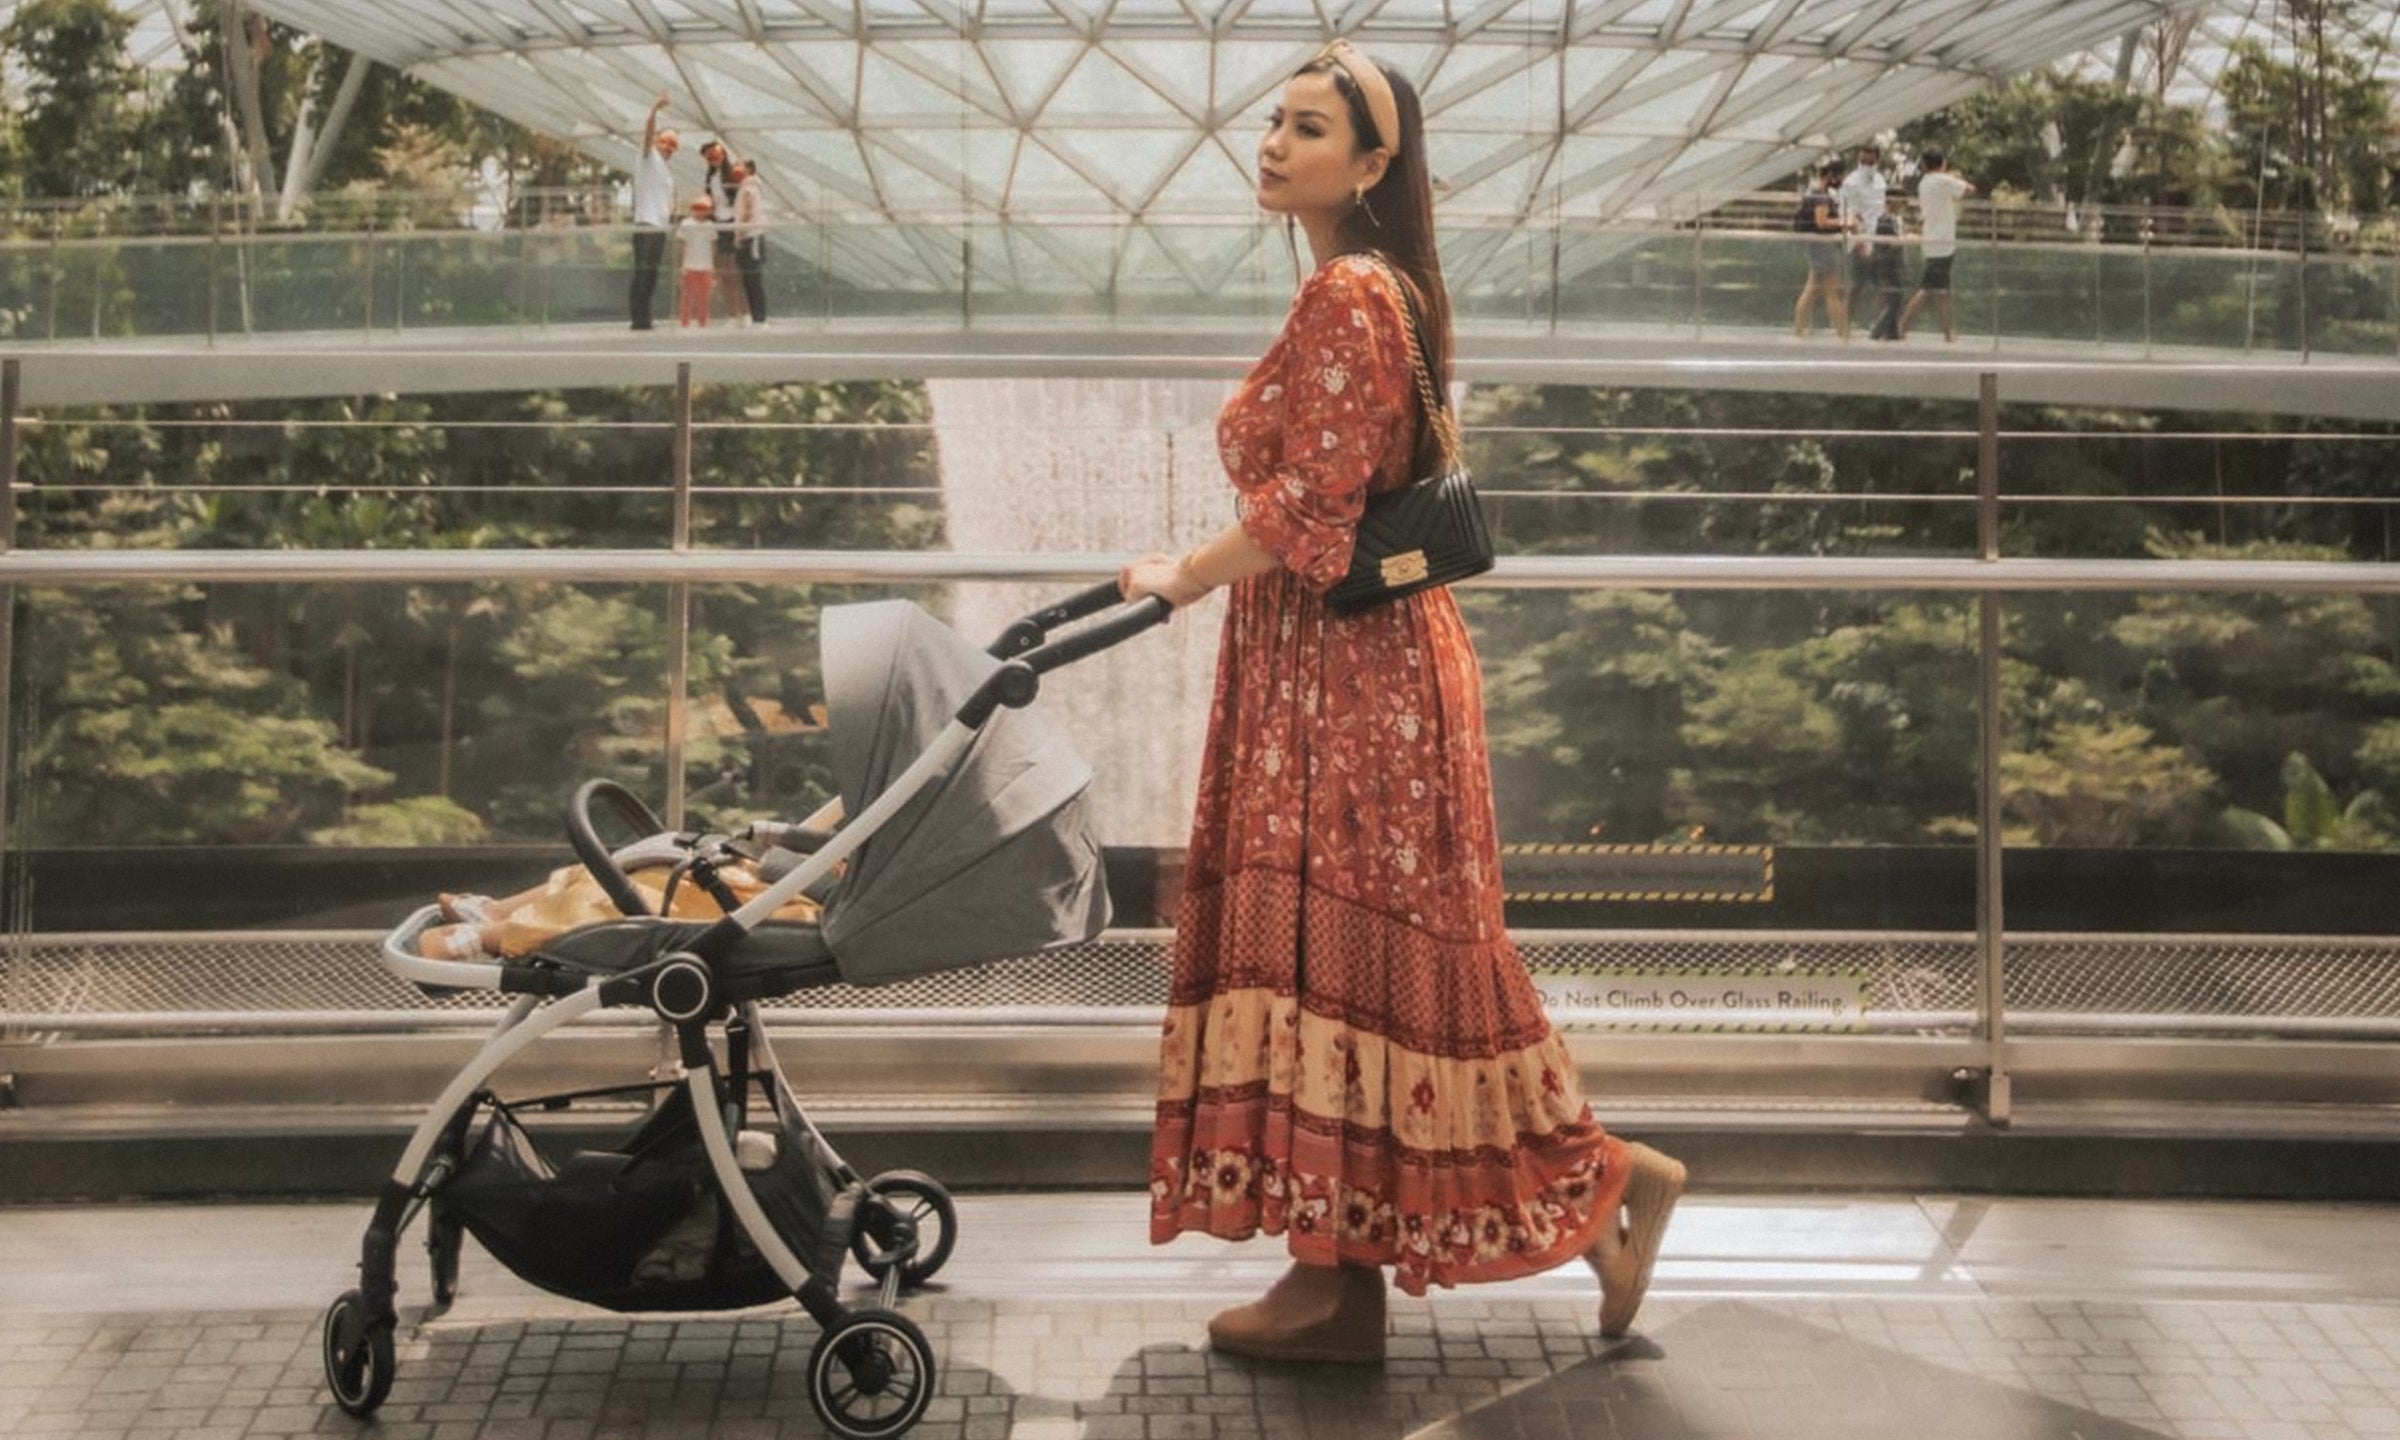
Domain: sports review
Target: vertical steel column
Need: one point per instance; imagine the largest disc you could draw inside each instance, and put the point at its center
(1988, 914)
(9, 375)
(679, 600)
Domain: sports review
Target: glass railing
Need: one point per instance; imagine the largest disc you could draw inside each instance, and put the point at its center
(2011, 295)
(290, 671)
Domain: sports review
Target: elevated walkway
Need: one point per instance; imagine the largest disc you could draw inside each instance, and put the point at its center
(1774, 1315)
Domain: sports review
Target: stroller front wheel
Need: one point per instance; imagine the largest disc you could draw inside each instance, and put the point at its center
(911, 1220)
(358, 1355)
(870, 1376)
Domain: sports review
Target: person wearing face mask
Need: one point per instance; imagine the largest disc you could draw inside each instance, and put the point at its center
(1353, 1055)
(653, 211)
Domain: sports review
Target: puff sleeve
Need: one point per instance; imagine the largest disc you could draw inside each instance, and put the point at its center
(1341, 410)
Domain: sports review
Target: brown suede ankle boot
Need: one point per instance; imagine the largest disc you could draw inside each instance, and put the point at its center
(1318, 1314)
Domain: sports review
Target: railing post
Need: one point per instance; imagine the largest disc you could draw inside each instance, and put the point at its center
(2149, 280)
(370, 268)
(9, 377)
(966, 282)
(1989, 932)
(1991, 239)
(679, 600)
(1699, 228)
(215, 236)
(1557, 223)
(57, 241)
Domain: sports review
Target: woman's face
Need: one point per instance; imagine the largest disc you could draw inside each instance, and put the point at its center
(1309, 162)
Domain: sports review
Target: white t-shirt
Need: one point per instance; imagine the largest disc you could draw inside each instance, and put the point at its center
(1938, 195)
(699, 244)
(653, 191)
(1862, 201)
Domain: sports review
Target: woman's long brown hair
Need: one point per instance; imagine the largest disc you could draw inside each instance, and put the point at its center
(1401, 229)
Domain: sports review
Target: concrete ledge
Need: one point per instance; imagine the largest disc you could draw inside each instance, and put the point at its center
(2183, 1152)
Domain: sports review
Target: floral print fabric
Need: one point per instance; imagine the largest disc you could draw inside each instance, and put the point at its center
(1353, 1055)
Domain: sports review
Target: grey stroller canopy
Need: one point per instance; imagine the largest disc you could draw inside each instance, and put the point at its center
(993, 859)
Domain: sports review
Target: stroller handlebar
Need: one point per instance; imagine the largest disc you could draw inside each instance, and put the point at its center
(1115, 630)
(1018, 680)
(1030, 632)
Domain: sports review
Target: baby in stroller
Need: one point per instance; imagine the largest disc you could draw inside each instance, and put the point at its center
(684, 876)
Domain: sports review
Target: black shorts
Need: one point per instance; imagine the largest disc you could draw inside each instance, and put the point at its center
(1937, 273)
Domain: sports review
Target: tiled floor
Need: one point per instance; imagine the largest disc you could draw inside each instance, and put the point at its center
(1782, 1318)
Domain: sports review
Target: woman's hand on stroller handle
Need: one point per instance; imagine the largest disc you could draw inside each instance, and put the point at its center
(1167, 577)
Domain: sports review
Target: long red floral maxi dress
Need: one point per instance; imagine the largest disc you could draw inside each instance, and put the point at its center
(1354, 1056)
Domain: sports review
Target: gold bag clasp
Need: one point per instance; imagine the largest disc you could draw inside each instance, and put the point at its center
(1405, 568)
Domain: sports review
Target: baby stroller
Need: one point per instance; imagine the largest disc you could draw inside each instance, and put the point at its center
(966, 842)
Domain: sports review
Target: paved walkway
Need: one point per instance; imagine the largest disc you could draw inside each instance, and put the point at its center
(1780, 1318)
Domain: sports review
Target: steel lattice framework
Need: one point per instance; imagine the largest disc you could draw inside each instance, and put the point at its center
(1132, 108)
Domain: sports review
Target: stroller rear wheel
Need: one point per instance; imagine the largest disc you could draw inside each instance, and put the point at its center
(870, 1376)
(909, 1209)
(358, 1355)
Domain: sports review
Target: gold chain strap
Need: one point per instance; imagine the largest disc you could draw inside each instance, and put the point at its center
(1437, 414)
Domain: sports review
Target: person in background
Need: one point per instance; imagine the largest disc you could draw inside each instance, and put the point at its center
(1819, 218)
(750, 237)
(1353, 1054)
(722, 183)
(1862, 197)
(1889, 268)
(1938, 195)
(698, 237)
(653, 211)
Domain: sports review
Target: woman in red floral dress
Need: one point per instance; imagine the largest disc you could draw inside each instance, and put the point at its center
(1354, 1056)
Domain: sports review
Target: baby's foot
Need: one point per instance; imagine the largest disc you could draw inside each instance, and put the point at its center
(451, 942)
(465, 909)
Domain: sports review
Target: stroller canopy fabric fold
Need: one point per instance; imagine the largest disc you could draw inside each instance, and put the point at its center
(995, 859)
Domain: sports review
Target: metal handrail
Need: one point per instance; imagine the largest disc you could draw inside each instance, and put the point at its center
(69, 568)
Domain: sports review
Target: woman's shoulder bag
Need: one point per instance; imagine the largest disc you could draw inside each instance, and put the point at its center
(1429, 532)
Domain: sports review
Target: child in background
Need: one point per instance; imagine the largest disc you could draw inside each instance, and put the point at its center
(698, 237)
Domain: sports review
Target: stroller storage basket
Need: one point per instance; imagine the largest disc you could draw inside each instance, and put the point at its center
(641, 1226)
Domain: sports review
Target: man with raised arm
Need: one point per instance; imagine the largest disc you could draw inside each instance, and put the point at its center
(1938, 195)
(653, 210)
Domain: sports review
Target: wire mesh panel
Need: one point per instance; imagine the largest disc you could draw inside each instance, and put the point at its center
(1900, 982)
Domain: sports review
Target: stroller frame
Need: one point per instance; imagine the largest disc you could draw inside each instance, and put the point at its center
(872, 1371)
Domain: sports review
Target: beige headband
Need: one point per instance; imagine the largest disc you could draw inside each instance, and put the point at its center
(1382, 107)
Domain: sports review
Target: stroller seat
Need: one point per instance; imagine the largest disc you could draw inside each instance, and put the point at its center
(777, 958)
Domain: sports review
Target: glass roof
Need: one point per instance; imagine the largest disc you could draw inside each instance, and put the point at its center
(965, 110)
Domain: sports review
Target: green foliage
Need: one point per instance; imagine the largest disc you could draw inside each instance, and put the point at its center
(2313, 133)
(417, 820)
(2313, 818)
(2106, 785)
(482, 700)
(79, 109)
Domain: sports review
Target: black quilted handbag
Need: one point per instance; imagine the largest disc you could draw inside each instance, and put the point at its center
(1424, 534)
